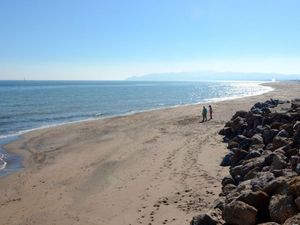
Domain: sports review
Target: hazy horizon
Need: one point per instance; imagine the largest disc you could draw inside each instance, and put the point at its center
(105, 40)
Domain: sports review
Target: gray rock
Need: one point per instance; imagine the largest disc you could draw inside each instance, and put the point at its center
(239, 213)
(281, 207)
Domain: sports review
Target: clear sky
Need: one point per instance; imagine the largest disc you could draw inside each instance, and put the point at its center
(115, 39)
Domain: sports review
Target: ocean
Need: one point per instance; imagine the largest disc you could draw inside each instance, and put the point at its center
(29, 105)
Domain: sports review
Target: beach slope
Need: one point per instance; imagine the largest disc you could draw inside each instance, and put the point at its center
(156, 167)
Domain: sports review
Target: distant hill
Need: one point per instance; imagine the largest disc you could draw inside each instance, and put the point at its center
(210, 75)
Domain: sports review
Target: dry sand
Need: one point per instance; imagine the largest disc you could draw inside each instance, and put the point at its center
(157, 167)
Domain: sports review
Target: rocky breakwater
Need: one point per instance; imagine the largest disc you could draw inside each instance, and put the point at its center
(263, 186)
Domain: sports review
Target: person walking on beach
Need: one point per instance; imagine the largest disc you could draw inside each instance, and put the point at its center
(204, 114)
(210, 112)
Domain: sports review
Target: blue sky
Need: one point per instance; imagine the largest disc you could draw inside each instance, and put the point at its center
(97, 39)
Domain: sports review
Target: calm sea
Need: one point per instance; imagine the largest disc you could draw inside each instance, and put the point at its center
(27, 105)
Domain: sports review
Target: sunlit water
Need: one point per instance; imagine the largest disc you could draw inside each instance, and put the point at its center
(27, 105)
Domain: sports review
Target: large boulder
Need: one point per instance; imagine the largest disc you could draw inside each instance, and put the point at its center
(259, 200)
(282, 207)
(240, 213)
(238, 124)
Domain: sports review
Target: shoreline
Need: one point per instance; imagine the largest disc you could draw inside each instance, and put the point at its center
(139, 169)
(7, 139)
(211, 100)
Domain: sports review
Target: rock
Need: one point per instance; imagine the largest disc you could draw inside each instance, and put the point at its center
(297, 203)
(232, 144)
(278, 162)
(279, 142)
(253, 154)
(261, 180)
(239, 213)
(257, 139)
(259, 200)
(226, 131)
(296, 125)
(294, 186)
(296, 103)
(295, 220)
(291, 152)
(241, 113)
(276, 125)
(298, 169)
(296, 138)
(228, 188)
(219, 203)
(277, 186)
(281, 208)
(283, 133)
(294, 159)
(239, 154)
(238, 124)
(235, 171)
(268, 135)
(288, 127)
(213, 217)
(228, 180)
(227, 159)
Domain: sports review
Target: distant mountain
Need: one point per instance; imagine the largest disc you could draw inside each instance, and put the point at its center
(211, 75)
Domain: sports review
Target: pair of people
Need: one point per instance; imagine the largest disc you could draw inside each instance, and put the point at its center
(204, 113)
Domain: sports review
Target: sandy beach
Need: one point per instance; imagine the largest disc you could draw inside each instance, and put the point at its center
(156, 167)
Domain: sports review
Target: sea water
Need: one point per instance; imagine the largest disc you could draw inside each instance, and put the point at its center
(28, 105)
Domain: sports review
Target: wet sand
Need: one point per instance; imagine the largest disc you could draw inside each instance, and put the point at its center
(156, 167)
